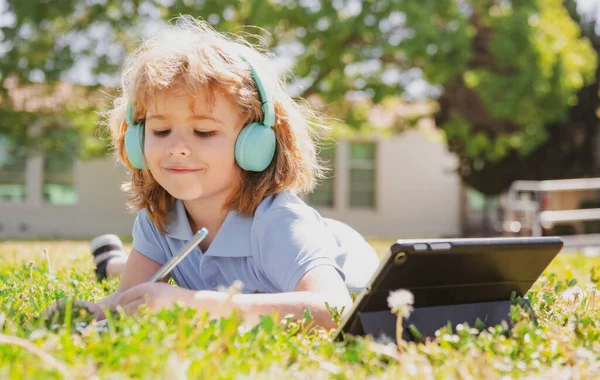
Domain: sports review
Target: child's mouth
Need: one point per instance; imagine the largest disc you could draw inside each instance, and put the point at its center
(181, 171)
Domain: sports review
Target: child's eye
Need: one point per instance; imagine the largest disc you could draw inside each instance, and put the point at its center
(164, 132)
(204, 134)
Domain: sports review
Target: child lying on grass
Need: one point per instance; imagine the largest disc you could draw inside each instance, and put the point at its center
(213, 140)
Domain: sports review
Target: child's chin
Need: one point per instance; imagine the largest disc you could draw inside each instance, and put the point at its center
(186, 195)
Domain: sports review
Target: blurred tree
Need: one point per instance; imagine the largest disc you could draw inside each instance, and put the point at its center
(40, 42)
(551, 89)
(505, 72)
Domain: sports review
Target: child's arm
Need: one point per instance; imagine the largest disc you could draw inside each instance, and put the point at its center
(321, 284)
(138, 269)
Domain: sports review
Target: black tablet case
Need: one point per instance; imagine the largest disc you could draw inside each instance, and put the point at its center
(453, 281)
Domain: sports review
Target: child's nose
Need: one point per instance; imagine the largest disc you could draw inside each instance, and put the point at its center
(179, 148)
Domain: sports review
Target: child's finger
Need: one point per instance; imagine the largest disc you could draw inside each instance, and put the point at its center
(92, 308)
(130, 295)
(133, 307)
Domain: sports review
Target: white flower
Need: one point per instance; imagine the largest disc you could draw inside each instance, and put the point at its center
(574, 294)
(401, 301)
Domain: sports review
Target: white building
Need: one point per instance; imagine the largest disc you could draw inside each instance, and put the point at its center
(391, 187)
(397, 187)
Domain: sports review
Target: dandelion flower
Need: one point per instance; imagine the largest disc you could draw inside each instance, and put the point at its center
(401, 301)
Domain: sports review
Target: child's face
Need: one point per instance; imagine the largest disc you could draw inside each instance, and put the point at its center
(189, 144)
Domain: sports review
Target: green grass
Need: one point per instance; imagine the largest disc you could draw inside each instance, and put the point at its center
(184, 344)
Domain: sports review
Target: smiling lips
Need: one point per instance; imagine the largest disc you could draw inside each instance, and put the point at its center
(181, 170)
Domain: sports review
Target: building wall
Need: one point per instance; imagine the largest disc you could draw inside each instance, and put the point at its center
(417, 195)
(417, 192)
(100, 207)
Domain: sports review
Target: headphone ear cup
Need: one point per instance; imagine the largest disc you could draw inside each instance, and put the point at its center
(134, 145)
(255, 147)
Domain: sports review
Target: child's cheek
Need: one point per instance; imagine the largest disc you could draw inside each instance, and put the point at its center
(151, 147)
(220, 145)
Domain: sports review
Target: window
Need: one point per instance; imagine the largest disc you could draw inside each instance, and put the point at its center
(60, 149)
(323, 195)
(13, 166)
(362, 174)
(60, 152)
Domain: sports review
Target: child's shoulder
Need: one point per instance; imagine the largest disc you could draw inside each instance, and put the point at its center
(285, 215)
(282, 204)
(143, 219)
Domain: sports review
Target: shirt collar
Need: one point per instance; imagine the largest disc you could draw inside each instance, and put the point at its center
(178, 226)
(232, 240)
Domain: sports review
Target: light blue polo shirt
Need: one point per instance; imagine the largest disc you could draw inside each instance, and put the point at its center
(268, 253)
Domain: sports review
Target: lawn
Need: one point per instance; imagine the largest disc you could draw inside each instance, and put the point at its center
(183, 344)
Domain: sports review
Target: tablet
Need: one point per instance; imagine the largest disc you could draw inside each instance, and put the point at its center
(452, 280)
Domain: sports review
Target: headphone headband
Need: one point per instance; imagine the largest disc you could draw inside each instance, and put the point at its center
(268, 107)
(129, 114)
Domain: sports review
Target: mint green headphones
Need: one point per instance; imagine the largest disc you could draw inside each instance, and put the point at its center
(254, 147)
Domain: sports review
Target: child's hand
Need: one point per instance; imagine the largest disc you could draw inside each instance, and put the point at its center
(154, 295)
(59, 307)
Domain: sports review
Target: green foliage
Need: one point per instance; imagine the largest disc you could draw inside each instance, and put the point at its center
(335, 312)
(539, 62)
(185, 343)
(520, 63)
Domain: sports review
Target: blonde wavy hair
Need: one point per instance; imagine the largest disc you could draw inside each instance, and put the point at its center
(191, 55)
